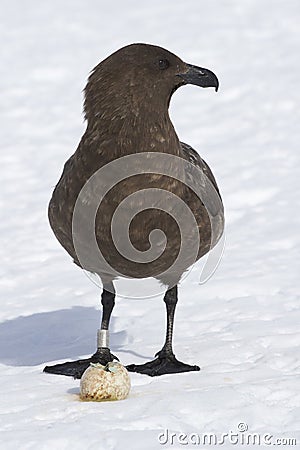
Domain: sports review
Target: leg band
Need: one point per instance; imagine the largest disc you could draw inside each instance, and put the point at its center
(102, 338)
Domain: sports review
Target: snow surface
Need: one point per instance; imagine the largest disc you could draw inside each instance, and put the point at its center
(242, 327)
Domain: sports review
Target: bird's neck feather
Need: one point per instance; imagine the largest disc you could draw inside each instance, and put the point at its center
(131, 126)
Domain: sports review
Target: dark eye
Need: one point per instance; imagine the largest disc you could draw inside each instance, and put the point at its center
(163, 64)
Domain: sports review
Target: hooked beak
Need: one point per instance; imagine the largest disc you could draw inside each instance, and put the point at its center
(199, 76)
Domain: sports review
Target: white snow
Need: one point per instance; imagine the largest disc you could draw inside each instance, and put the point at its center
(242, 327)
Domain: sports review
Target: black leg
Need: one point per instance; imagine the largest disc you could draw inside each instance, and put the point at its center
(170, 299)
(166, 361)
(108, 303)
(103, 355)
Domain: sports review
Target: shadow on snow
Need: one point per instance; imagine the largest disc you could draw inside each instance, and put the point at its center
(44, 337)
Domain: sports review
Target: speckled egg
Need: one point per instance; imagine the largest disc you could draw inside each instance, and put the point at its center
(99, 383)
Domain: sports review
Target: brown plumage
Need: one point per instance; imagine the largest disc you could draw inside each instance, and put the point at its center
(126, 107)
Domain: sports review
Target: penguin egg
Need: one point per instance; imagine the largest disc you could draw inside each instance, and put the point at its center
(99, 383)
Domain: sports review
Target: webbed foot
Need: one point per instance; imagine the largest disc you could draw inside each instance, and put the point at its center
(164, 363)
(75, 369)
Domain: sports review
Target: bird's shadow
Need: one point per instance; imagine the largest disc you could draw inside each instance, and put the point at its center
(50, 336)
